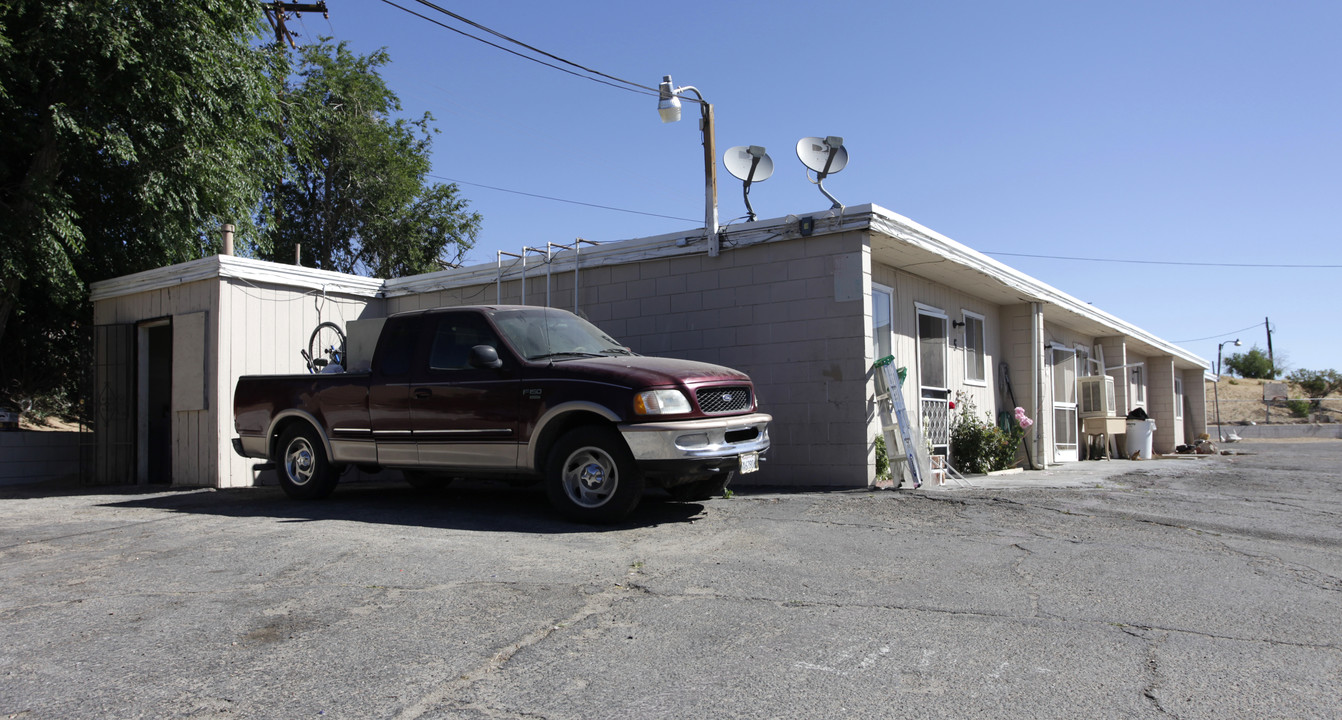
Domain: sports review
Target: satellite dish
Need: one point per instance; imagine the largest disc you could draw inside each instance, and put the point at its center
(748, 164)
(824, 156)
(820, 155)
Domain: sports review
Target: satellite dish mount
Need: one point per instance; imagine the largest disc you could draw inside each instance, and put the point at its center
(825, 156)
(748, 164)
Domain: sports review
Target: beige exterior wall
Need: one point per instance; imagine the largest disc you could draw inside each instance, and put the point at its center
(771, 310)
(195, 430)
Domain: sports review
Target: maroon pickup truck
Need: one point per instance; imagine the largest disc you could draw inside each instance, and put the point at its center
(517, 392)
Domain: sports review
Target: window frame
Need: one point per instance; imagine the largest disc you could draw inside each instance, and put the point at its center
(982, 349)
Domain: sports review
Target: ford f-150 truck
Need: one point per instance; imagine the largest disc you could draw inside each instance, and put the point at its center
(520, 392)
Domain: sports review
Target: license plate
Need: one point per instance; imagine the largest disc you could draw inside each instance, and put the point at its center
(750, 462)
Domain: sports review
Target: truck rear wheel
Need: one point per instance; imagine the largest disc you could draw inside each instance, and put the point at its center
(591, 476)
(305, 472)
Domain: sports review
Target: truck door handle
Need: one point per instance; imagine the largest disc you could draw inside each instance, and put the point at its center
(423, 393)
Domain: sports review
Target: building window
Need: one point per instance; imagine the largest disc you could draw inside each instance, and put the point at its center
(975, 342)
(1139, 385)
(1178, 399)
(881, 321)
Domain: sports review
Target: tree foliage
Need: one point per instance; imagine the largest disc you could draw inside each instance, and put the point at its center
(132, 130)
(1252, 364)
(135, 128)
(356, 197)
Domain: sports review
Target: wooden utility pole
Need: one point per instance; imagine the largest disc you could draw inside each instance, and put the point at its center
(277, 12)
(1271, 361)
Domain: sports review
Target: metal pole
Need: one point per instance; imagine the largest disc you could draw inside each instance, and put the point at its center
(710, 180)
(498, 279)
(1216, 393)
(577, 255)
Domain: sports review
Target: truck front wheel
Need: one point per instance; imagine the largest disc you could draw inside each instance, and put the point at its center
(305, 472)
(591, 476)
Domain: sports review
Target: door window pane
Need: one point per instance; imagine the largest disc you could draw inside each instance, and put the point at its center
(932, 350)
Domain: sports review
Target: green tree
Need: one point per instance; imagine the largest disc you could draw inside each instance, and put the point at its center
(1317, 384)
(133, 129)
(1252, 364)
(356, 196)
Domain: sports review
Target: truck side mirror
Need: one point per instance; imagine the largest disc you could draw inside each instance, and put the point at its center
(485, 357)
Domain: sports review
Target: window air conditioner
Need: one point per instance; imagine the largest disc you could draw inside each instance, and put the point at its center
(1097, 396)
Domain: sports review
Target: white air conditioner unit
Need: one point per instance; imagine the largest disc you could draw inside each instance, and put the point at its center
(1097, 396)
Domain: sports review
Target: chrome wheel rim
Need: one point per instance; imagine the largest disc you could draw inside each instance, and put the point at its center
(299, 463)
(590, 477)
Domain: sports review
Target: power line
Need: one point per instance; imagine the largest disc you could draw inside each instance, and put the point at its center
(500, 35)
(1160, 262)
(638, 89)
(1220, 335)
(562, 200)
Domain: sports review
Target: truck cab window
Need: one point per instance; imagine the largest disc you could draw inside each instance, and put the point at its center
(453, 339)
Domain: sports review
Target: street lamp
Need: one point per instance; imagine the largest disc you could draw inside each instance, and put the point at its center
(668, 106)
(1216, 389)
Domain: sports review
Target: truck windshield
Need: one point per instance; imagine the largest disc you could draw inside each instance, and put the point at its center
(550, 334)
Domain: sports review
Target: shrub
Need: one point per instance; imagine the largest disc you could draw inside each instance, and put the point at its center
(1299, 408)
(980, 446)
(882, 459)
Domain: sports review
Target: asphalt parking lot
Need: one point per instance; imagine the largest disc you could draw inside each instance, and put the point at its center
(1192, 589)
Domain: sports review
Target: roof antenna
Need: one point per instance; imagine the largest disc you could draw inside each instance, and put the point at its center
(825, 156)
(748, 164)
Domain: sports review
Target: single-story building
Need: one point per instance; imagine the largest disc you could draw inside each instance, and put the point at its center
(805, 305)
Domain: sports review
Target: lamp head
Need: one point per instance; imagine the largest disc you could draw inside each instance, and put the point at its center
(1237, 342)
(668, 106)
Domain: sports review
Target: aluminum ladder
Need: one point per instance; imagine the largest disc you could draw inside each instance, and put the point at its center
(897, 430)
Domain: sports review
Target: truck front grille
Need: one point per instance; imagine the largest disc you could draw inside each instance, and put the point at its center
(723, 399)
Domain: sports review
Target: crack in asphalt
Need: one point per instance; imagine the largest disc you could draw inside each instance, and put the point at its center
(1152, 686)
(450, 695)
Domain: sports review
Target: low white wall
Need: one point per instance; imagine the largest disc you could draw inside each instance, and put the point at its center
(32, 457)
(1267, 432)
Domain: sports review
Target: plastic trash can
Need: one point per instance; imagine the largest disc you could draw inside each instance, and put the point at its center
(1141, 433)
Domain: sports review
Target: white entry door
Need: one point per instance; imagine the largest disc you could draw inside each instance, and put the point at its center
(1065, 426)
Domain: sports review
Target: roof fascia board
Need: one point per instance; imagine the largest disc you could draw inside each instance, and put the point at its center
(236, 268)
(908, 231)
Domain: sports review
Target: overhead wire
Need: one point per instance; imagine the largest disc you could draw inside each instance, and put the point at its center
(562, 200)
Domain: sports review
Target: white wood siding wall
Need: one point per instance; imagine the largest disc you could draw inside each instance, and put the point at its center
(261, 330)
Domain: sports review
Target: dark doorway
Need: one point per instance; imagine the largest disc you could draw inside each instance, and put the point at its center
(158, 403)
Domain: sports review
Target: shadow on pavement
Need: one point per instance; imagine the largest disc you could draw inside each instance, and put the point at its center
(494, 508)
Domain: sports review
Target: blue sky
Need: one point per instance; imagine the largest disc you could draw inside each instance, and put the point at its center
(1186, 131)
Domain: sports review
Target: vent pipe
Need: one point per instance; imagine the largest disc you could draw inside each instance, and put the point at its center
(227, 231)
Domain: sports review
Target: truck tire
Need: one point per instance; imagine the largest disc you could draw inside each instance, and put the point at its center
(591, 476)
(304, 470)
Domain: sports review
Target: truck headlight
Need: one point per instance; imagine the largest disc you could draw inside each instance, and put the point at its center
(661, 402)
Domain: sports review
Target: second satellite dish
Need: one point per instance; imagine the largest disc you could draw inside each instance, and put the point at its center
(825, 156)
(748, 164)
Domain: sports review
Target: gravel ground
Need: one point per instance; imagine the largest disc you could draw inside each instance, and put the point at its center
(1191, 589)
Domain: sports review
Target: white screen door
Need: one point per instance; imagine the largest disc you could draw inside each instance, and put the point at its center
(1065, 427)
